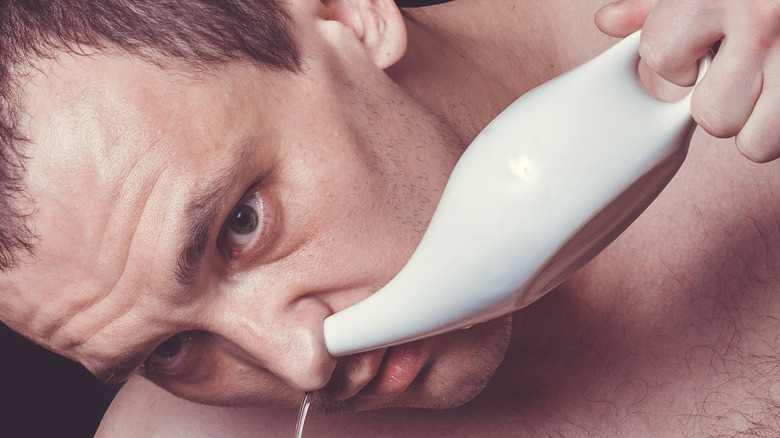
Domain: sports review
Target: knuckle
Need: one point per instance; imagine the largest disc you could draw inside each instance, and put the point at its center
(765, 16)
(713, 120)
(662, 58)
(655, 55)
(758, 150)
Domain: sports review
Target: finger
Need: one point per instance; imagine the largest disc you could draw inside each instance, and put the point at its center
(726, 96)
(759, 139)
(621, 18)
(761, 20)
(676, 35)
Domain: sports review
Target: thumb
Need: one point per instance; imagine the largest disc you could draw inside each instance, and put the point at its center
(623, 17)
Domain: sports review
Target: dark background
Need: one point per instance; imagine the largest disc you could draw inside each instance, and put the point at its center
(45, 395)
(415, 3)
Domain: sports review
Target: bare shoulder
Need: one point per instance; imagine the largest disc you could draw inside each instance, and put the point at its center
(143, 409)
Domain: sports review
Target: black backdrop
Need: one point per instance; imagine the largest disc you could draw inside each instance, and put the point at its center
(45, 395)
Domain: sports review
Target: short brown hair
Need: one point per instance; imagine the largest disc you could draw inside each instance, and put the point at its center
(199, 32)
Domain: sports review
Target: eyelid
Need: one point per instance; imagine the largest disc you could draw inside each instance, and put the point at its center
(180, 364)
(260, 237)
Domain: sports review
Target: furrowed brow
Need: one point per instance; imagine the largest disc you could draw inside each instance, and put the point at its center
(200, 216)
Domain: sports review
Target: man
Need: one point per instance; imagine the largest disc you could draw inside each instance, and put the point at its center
(195, 208)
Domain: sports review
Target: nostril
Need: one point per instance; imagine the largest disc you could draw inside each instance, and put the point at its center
(306, 362)
(308, 367)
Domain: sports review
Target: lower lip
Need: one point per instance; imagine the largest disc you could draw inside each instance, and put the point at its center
(399, 368)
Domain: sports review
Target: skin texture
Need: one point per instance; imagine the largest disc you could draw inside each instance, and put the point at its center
(322, 182)
(669, 332)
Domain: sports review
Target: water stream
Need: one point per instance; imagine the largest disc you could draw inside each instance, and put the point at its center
(302, 415)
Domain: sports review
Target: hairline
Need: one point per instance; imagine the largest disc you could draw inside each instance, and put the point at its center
(183, 56)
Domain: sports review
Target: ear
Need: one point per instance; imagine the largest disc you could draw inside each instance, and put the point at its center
(378, 24)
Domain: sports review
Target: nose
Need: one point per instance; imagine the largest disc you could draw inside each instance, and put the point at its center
(283, 339)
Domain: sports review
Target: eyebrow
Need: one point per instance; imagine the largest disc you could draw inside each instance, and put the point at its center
(200, 214)
(120, 371)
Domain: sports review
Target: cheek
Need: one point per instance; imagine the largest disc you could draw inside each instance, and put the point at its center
(227, 381)
(373, 163)
(463, 362)
(351, 210)
(366, 233)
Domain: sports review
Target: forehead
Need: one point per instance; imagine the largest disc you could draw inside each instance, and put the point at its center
(121, 109)
(117, 147)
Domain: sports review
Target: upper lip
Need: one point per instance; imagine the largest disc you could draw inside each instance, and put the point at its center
(379, 373)
(354, 372)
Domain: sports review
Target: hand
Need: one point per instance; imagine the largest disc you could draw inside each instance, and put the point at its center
(740, 93)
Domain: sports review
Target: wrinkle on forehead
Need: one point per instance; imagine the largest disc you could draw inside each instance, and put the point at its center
(89, 132)
(118, 149)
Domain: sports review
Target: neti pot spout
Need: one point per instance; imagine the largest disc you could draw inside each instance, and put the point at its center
(542, 189)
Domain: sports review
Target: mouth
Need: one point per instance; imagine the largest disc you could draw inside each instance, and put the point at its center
(378, 374)
(399, 368)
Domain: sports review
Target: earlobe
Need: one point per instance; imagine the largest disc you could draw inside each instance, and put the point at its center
(378, 24)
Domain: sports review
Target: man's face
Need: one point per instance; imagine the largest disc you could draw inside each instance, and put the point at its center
(204, 225)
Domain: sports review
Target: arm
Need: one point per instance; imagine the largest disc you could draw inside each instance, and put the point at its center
(740, 94)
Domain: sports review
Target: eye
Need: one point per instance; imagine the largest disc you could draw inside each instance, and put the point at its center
(169, 356)
(245, 225)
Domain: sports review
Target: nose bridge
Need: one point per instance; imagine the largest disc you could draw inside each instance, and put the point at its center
(283, 337)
